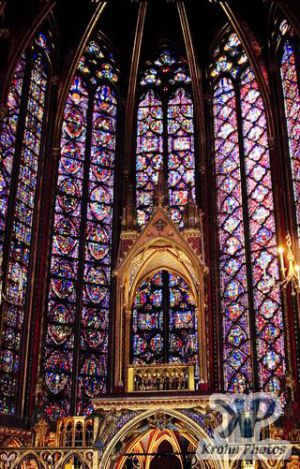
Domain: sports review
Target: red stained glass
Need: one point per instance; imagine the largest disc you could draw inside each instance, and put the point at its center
(164, 322)
(79, 288)
(233, 280)
(165, 136)
(28, 91)
(149, 153)
(248, 277)
(291, 93)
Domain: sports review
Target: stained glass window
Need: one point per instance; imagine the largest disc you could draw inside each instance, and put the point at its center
(290, 84)
(75, 359)
(165, 130)
(21, 145)
(164, 322)
(248, 268)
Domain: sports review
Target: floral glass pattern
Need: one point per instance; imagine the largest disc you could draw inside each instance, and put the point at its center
(75, 359)
(21, 143)
(246, 226)
(165, 135)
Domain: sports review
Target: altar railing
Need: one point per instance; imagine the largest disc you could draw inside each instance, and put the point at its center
(159, 377)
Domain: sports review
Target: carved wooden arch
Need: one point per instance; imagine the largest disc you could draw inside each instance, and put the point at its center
(160, 246)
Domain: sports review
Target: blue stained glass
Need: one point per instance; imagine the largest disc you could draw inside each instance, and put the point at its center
(176, 140)
(81, 171)
(20, 168)
(151, 317)
(239, 83)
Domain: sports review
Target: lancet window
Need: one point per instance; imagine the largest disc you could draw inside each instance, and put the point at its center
(253, 329)
(290, 79)
(164, 323)
(21, 144)
(78, 302)
(165, 135)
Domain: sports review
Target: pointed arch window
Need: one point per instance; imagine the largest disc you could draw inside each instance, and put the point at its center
(253, 330)
(290, 79)
(77, 318)
(21, 143)
(165, 135)
(164, 322)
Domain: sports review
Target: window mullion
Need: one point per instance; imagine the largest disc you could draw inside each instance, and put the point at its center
(252, 324)
(165, 278)
(165, 136)
(81, 254)
(15, 173)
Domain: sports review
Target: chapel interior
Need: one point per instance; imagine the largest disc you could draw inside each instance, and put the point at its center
(149, 228)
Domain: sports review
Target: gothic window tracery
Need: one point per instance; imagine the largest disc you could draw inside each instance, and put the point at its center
(75, 342)
(164, 322)
(21, 143)
(165, 135)
(253, 331)
(77, 318)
